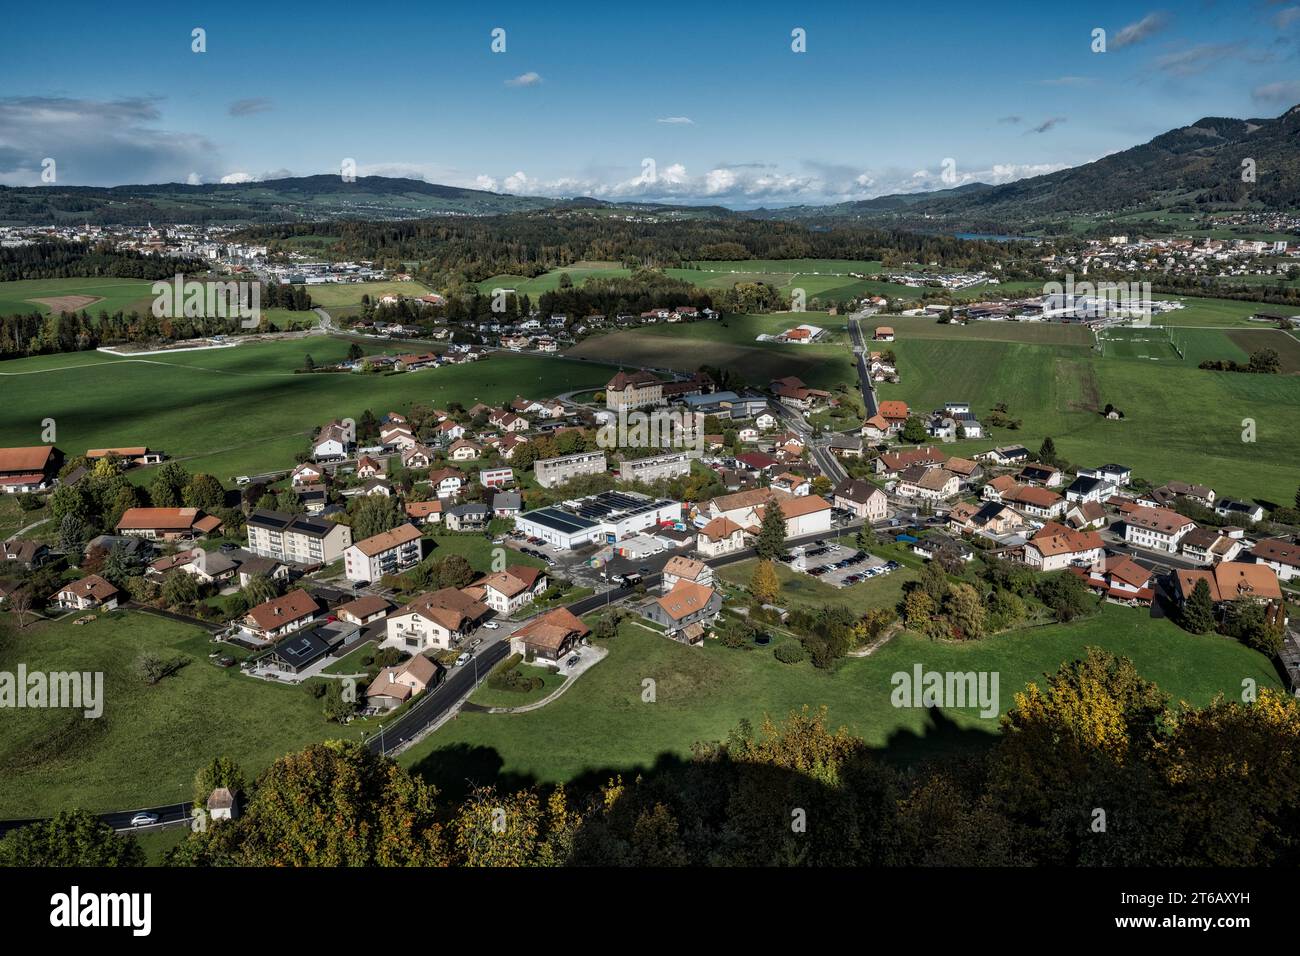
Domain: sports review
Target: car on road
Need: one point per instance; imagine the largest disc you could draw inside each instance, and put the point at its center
(242, 480)
(144, 819)
(475, 643)
(489, 625)
(644, 570)
(464, 658)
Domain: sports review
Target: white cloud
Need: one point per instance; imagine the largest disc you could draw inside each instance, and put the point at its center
(1148, 26)
(238, 178)
(98, 143)
(257, 104)
(1285, 92)
(676, 120)
(194, 179)
(749, 185)
(525, 79)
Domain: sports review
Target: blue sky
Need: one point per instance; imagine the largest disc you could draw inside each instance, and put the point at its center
(584, 94)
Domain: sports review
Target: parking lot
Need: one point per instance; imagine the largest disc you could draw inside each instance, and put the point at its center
(838, 564)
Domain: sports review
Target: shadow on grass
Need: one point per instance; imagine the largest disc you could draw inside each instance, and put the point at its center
(458, 768)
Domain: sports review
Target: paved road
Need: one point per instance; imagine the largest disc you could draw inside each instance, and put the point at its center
(861, 350)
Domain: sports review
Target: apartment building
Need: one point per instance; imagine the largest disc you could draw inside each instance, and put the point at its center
(390, 552)
(1157, 529)
(655, 467)
(297, 538)
(550, 472)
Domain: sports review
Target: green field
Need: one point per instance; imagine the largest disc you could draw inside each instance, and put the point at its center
(338, 294)
(242, 410)
(579, 272)
(145, 748)
(601, 726)
(110, 294)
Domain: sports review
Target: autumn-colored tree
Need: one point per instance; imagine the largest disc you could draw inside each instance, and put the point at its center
(763, 583)
(918, 610)
(966, 611)
(339, 804)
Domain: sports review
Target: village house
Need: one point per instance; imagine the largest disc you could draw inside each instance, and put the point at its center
(1234, 581)
(25, 554)
(896, 413)
(507, 504)
(927, 483)
(368, 468)
(1239, 510)
(1157, 529)
(989, 518)
(306, 474)
(1088, 515)
(1117, 475)
(875, 428)
(685, 611)
(1034, 502)
(862, 498)
(681, 568)
(720, 536)
(1055, 547)
(1279, 554)
(446, 482)
(473, 516)
(1005, 455)
(434, 621)
(273, 619)
(394, 686)
(390, 552)
(844, 445)
(883, 333)
(363, 610)
(507, 591)
(893, 463)
(1038, 473)
(1089, 489)
(462, 449)
(417, 456)
(333, 441)
(424, 512)
(167, 524)
(1210, 546)
(89, 593)
(792, 484)
(1120, 579)
(548, 638)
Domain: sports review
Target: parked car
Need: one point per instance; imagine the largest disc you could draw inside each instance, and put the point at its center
(464, 658)
(489, 625)
(144, 819)
(571, 661)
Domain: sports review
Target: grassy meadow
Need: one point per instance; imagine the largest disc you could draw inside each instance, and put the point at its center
(242, 410)
(602, 726)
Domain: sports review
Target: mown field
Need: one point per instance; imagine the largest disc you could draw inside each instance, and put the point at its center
(145, 748)
(107, 295)
(242, 410)
(602, 726)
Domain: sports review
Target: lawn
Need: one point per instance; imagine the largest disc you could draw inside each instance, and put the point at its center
(242, 410)
(578, 273)
(145, 748)
(109, 295)
(487, 696)
(603, 726)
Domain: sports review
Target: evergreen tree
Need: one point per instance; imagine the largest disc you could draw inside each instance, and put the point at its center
(771, 533)
(1198, 612)
(1047, 450)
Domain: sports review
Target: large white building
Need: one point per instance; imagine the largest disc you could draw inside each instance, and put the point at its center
(390, 552)
(668, 465)
(599, 519)
(556, 471)
(1157, 529)
(297, 538)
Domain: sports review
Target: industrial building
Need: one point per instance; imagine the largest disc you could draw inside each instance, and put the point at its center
(599, 519)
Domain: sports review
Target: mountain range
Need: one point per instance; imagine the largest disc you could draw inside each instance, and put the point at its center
(1215, 163)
